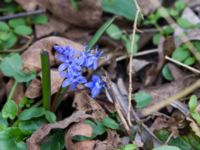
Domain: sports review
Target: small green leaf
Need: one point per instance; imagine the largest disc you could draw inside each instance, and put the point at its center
(50, 116)
(10, 42)
(129, 147)
(4, 36)
(142, 99)
(3, 123)
(33, 112)
(99, 33)
(174, 12)
(167, 30)
(196, 116)
(192, 103)
(181, 54)
(156, 38)
(98, 128)
(114, 32)
(163, 12)
(180, 5)
(40, 19)
(184, 23)
(10, 109)
(4, 27)
(23, 30)
(166, 72)
(110, 123)
(16, 22)
(190, 61)
(167, 147)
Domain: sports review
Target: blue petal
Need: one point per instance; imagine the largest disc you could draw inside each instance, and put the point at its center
(62, 67)
(66, 83)
(95, 92)
(89, 84)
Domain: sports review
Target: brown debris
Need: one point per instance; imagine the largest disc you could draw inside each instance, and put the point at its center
(34, 89)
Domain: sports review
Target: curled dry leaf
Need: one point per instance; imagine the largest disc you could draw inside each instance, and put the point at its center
(84, 102)
(88, 14)
(42, 132)
(147, 7)
(34, 89)
(194, 126)
(54, 25)
(79, 129)
(31, 57)
(27, 5)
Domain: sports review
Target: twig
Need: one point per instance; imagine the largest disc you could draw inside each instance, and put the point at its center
(171, 99)
(21, 49)
(183, 65)
(131, 62)
(24, 14)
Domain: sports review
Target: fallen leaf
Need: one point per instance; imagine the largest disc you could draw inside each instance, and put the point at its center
(79, 129)
(27, 5)
(34, 89)
(42, 132)
(194, 126)
(88, 14)
(54, 25)
(147, 6)
(31, 57)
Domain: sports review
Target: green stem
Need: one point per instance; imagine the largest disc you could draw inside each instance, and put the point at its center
(12, 90)
(46, 80)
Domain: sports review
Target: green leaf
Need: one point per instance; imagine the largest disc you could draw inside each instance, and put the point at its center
(190, 61)
(23, 30)
(129, 147)
(54, 141)
(10, 42)
(3, 123)
(114, 32)
(184, 23)
(99, 33)
(192, 103)
(142, 99)
(167, 30)
(174, 12)
(166, 72)
(7, 1)
(125, 8)
(196, 116)
(10, 109)
(110, 123)
(40, 19)
(180, 5)
(12, 139)
(50, 116)
(163, 12)
(4, 36)
(17, 22)
(167, 147)
(4, 27)
(12, 66)
(156, 38)
(33, 112)
(181, 54)
(98, 128)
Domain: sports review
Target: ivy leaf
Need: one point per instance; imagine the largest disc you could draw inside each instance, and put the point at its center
(23, 30)
(50, 116)
(10, 109)
(166, 72)
(114, 32)
(30, 113)
(17, 22)
(11, 66)
(110, 123)
(142, 99)
(40, 19)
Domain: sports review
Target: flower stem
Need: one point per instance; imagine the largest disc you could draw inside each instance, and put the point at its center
(12, 92)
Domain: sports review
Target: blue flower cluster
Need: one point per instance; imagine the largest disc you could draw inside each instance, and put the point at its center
(73, 64)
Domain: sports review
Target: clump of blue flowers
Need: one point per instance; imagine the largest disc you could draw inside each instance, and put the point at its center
(74, 63)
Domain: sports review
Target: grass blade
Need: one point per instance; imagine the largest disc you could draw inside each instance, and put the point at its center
(46, 80)
(99, 33)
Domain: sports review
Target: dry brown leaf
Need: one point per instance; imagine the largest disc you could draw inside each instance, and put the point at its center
(27, 5)
(54, 25)
(31, 57)
(147, 6)
(88, 14)
(42, 132)
(195, 127)
(84, 102)
(34, 89)
(79, 129)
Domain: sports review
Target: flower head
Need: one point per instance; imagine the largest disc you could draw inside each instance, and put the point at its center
(96, 85)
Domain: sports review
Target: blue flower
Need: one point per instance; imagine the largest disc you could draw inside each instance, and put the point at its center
(96, 85)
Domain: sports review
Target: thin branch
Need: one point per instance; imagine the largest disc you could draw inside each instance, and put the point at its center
(131, 62)
(183, 65)
(23, 14)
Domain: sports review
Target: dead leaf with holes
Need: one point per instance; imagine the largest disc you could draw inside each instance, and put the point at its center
(37, 137)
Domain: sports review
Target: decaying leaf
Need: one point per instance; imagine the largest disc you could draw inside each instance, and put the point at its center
(31, 57)
(79, 129)
(147, 6)
(84, 102)
(27, 5)
(43, 131)
(34, 89)
(88, 14)
(194, 126)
